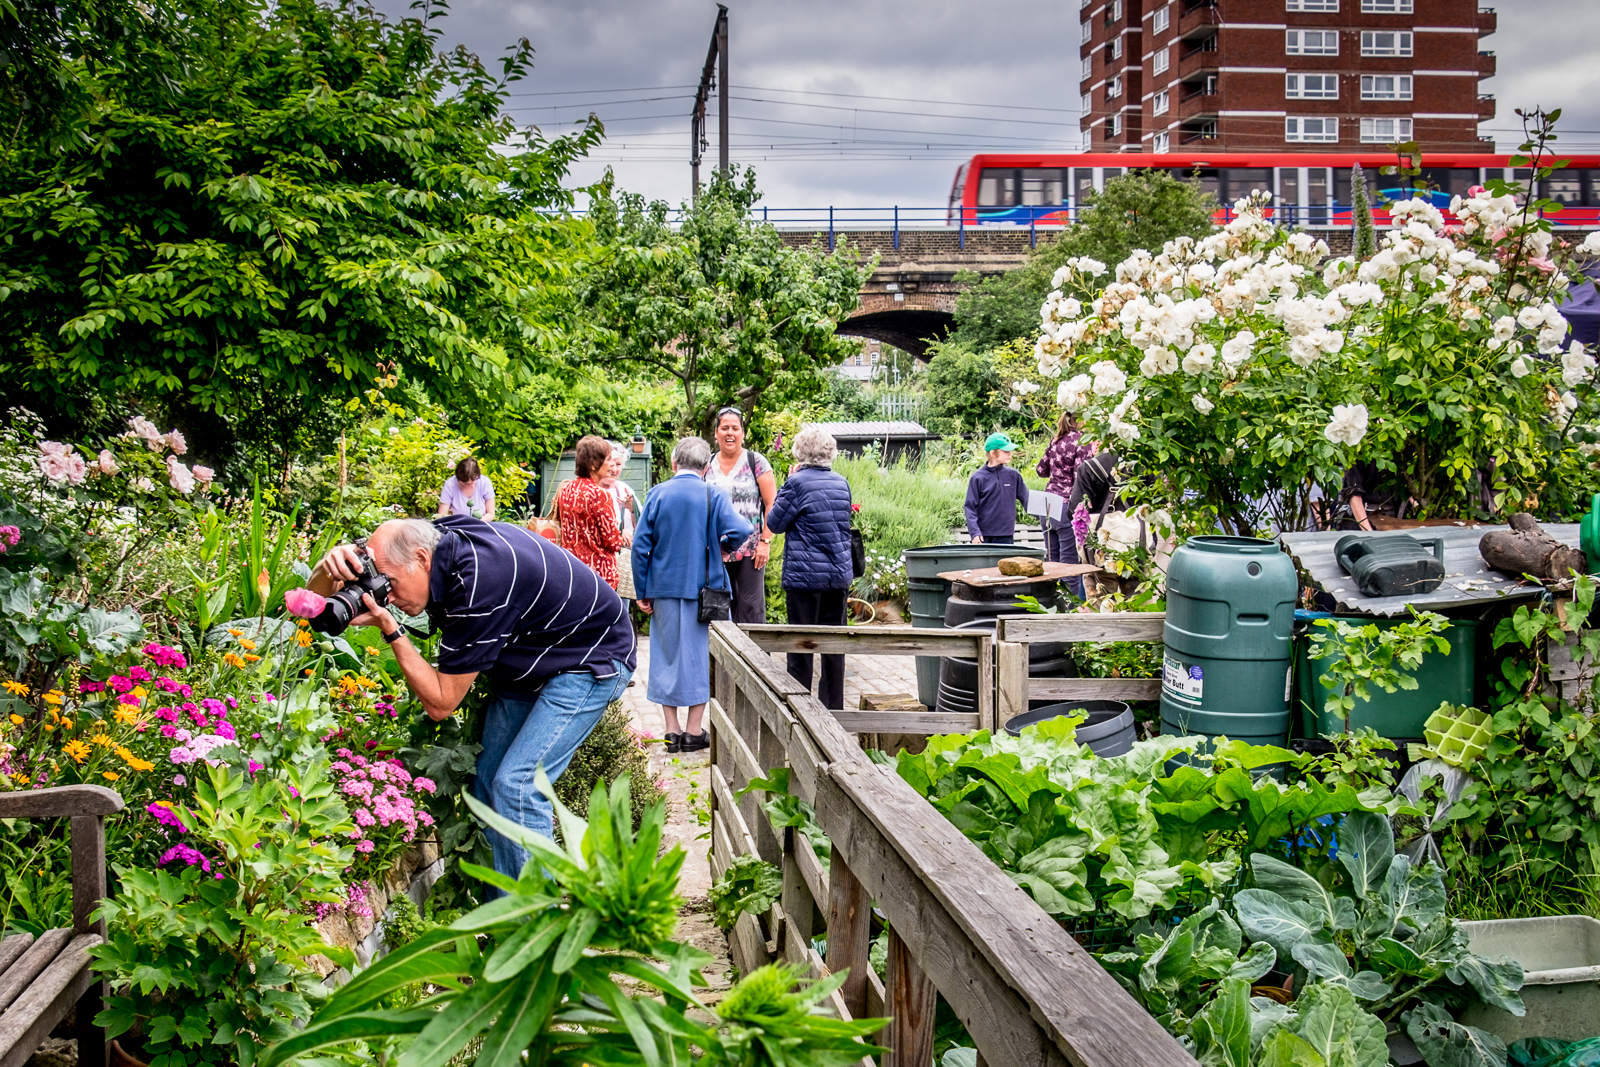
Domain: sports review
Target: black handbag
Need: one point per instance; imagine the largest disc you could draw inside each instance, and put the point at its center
(858, 554)
(715, 604)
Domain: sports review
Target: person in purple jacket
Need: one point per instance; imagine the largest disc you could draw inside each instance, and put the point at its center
(1060, 465)
(993, 493)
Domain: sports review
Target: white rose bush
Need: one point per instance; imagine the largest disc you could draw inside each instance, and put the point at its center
(1242, 374)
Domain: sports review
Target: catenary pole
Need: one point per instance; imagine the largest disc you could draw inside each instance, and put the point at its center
(718, 72)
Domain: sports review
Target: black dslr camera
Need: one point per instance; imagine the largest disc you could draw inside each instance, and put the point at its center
(346, 604)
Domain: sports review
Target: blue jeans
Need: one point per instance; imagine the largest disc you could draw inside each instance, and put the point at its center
(519, 736)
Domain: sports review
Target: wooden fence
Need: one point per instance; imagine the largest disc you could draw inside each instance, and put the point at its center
(1013, 634)
(958, 926)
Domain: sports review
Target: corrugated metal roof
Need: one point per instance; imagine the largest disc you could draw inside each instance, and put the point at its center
(873, 429)
(1467, 579)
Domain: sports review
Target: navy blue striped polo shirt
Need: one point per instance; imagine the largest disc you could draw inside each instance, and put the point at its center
(511, 604)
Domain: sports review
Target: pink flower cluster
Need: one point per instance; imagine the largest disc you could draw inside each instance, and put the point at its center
(166, 656)
(383, 794)
(188, 855)
(9, 537)
(164, 815)
(193, 747)
(59, 463)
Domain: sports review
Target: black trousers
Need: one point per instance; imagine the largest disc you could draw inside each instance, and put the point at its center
(818, 607)
(1061, 546)
(749, 587)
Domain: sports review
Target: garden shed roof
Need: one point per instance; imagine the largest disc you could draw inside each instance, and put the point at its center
(1467, 578)
(875, 429)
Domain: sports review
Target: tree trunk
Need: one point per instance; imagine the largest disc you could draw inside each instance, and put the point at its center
(1526, 549)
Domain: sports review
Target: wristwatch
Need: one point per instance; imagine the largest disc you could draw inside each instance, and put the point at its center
(399, 632)
(766, 540)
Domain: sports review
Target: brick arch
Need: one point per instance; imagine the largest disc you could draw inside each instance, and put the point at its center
(909, 329)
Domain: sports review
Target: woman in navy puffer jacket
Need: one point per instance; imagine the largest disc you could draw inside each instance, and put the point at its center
(813, 510)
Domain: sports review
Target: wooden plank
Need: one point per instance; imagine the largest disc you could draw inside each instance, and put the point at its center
(736, 755)
(1010, 679)
(865, 641)
(770, 756)
(811, 871)
(29, 1021)
(849, 934)
(746, 946)
(20, 975)
(805, 763)
(88, 872)
(798, 904)
(1563, 668)
(752, 683)
(989, 577)
(739, 835)
(1023, 988)
(1075, 626)
(1094, 689)
(877, 996)
(12, 948)
(59, 801)
(915, 722)
(831, 741)
(986, 684)
(912, 1004)
(736, 641)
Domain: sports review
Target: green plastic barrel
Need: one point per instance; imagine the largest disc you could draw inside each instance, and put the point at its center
(1229, 640)
(928, 592)
(1440, 679)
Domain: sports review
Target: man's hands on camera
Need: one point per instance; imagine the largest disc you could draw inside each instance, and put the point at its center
(340, 565)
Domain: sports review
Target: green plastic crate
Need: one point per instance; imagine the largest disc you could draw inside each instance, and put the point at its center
(1446, 679)
(1459, 735)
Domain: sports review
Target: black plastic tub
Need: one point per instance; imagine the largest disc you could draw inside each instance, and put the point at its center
(1107, 731)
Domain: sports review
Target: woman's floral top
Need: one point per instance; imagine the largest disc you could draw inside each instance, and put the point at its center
(588, 516)
(742, 488)
(1060, 462)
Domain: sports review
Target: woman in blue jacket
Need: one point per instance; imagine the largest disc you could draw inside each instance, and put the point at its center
(685, 526)
(813, 510)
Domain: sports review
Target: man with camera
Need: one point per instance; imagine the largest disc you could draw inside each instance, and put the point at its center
(554, 639)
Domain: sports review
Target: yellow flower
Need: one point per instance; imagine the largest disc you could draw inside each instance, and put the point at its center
(15, 688)
(18, 720)
(20, 779)
(236, 633)
(140, 691)
(373, 650)
(134, 761)
(125, 714)
(102, 740)
(364, 682)
(110, 776)
(251, 656)
(66, 723)
(77, 750)
(245, 642)
(232, 659)
(303, 639)
(302, 623)
(56, 696)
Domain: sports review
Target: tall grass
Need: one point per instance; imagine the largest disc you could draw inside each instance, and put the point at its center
(903, 505)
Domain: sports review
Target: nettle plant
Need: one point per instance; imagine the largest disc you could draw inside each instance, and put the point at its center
(1439, 358)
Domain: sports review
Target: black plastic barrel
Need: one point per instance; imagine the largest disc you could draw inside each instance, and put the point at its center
(958, 675)
(1108, 729)
(928, 592)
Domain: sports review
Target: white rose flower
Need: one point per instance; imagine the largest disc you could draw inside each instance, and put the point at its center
(1200, 359)
(1553, 318)
(1520, 368)
(1158, 361)
(1530, 317)
(1119, 533)
(1348, 425)
(1576, 365)
(1109, 379)
(1201, 404)
(1236, 351)
(1073, 394)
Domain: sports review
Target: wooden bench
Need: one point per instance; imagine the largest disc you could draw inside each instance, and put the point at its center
(41, 980)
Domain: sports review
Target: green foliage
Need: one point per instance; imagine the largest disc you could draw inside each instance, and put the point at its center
(212, 954)
(1366, 239)
(579, 918)
(611, 751)
(749, 885)
(42, 634)
(325, 199)
(716, 302)
(964, 391)
(1141, 209)
(903, 505)
(789, 811)
(1366, 655)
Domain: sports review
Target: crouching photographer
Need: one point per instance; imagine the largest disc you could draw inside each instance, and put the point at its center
(554, 639)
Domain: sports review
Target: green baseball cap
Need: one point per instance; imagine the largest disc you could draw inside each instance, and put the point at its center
(999, 441)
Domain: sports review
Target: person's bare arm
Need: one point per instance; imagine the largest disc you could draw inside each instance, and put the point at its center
(444, 509)
(488, 511)
(768, 484)
(1358, 511)
(440, 693)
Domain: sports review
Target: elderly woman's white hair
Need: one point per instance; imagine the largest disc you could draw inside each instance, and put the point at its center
(815, 447)
(619, 451)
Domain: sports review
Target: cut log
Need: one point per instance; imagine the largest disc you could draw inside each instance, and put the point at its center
(1021, 566)
(1527, 549)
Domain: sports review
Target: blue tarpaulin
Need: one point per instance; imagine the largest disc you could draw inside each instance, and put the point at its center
(1582, 308)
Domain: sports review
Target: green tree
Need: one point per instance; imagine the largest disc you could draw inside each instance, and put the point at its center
(1141, 209)
(326, 199)
(717, 302)
(963, 387)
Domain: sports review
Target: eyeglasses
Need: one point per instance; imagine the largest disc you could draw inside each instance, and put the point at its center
(731, 411)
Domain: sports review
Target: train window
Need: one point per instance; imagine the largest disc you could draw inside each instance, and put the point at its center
(1082, 184)
(1317, 186)
(997, 188)
(1563, 186)
(1289, 185)
(1042, 186)
(1452, 181)
(1109, 173)
(1241, 181)
(1591, 185)
(1341, 186)
(958, 187)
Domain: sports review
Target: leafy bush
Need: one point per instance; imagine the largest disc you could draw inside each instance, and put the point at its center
(964, 391)
(611, 752)
(902, 506)
(750, 884)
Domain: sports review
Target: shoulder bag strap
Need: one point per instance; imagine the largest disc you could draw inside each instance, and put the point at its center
(713, 549)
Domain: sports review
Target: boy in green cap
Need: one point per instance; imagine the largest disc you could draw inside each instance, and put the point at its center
(993, 495)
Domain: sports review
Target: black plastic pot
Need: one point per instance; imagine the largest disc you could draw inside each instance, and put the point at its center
(1108, 731)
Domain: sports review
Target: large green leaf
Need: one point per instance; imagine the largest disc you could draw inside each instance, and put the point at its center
(463, 1019)
(1444, 1042)
(1414, 895)
(1054, 874)
(344, 1029)
(525, 1014)
(1366, 848)
(1497, 982)
(1266, 916)
(1292, 883)
(1284, 1048)
(1221, 1030)
(1343, 1033)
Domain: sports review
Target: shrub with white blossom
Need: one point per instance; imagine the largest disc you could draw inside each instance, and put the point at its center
(1240, 375)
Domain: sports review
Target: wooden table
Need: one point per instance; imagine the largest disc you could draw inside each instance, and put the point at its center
(988, 576)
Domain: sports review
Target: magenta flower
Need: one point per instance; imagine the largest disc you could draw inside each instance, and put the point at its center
(164, 815)
(304, 603)
(190, 856)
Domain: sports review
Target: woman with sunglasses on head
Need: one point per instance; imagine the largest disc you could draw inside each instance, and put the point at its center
(747, 478)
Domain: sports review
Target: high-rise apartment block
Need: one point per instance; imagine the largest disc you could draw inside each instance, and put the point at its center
(1283, 75)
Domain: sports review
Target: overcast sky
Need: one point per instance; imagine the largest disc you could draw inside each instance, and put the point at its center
(876, 103)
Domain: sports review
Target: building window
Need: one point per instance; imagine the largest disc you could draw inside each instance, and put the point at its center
(1161, 144)
(1160, 20)
(1386, 7)
(1114, 125)
(1316, 42)
(1159, 62)
(1385, 43)
(1086, 102)
(1386, 87)
(1311, 86)
(1088, 68)
(1310, 129)
(1116, 9)
(1385, 131)
(1086, 32)
(1114, 88)
(1115, 48)
(1159, 105)
(1313, 5)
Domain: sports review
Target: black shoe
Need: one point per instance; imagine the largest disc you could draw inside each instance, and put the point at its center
(674, 742)
(696, 742)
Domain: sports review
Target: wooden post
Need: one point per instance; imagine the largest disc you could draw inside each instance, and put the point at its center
(1010, 680)
(799, 911)
(986, 683)
(88, 890)
(849, 933)
(912, 1004)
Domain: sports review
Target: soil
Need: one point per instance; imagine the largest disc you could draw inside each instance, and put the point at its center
(683, 775)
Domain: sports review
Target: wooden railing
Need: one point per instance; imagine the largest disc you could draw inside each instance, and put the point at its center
(958, 927)
(1013, 687)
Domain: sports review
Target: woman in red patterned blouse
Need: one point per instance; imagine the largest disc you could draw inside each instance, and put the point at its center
(588, 513)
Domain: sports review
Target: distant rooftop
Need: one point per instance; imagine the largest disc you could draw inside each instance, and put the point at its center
(874, 429)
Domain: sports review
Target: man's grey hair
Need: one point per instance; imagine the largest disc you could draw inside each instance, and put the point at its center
(815, 446)
(402, 538)
(691, 454)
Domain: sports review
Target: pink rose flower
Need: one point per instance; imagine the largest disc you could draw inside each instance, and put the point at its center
(55, 468)
(304, 603)
(107, 463)
(146, 431)
(175, 441)
(203, 475)
(179, 476)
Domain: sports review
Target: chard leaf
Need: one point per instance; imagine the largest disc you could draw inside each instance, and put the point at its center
(1266, 916)
(1292, 883)
(1366, 848)
(1054, 875)
(1444, 1042)
(1221, 1030)
(1497, 982)
(1342, 1032)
